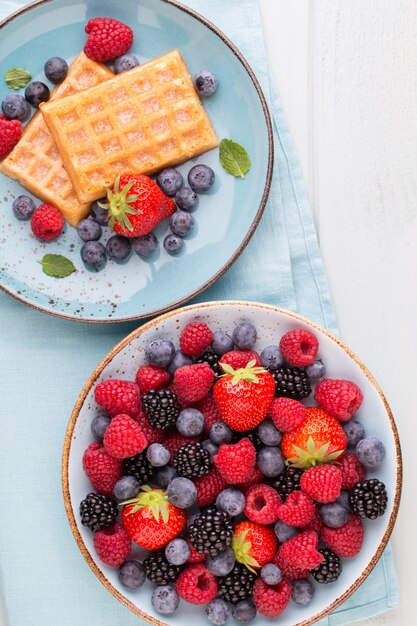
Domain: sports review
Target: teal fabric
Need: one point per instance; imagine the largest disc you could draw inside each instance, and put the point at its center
(45, 362)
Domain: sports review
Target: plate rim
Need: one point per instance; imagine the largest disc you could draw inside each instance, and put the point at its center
(197, 307)
(266, 190)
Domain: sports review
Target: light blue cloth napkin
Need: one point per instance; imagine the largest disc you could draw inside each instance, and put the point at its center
(45, 362)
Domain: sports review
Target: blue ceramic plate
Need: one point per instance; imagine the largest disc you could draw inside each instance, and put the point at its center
(225, 218)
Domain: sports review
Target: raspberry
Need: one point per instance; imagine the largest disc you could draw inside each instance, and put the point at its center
(108, 39)
(316, 523)
(345, 541)
(297, 510)
(153, 435)
(340, 398)
(112, 545)
(195, 557)
(289, 571)
(174, 441)
(236, 461)
(271, 601)
(262, 504)
(197, 585)
(150, 377)
(118, 396)
(193, 382)
(254, 479)
(102, 469)
(301, 551)
(10, 133)
(287, 414)
(47, 222)
(195, 338)
(124, 437)
(240, 358)
(352, 470)
(322, 483)
(209, 487)
(299, 347)
(210, 410)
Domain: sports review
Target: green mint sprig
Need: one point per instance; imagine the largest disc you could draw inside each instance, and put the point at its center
(234, 158)
(57, 265)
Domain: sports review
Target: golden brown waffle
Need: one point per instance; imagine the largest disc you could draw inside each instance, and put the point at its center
(36, 162)
(142, 121)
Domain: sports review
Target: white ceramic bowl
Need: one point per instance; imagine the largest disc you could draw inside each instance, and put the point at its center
(123, 362)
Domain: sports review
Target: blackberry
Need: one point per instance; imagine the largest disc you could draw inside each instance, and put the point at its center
(211, 532)
(139, 467)
(287, 482)
(191, 460)
(98, 511)
(291, 382)
(329, 570)
(213, 360)
(159, 571)
(252, 435)
(369, 499)
(238, 585)
(161, 408)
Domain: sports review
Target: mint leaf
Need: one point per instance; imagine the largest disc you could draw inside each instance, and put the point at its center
(234, 158)
(57, 265)
(17, 77)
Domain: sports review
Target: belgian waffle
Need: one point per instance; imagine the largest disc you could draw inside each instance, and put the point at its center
(142, 120)
(36, 162)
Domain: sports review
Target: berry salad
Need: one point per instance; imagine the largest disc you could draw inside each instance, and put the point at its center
(240, 476)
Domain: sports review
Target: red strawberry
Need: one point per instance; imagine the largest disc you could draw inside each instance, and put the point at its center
(112, 545)
(136, 205)
(322, 483)
(10, 133)
(254, 545)
(352, 470)
(301, 551)
(124, 437)
(151, 520)
(287, 414)
(262, 502)
(240, 358)
(150, 377)
(340, 398)
(195, 338)
(244, 396)
(271, 601)
(289, 571)
(347, 540)
(209, 487)
(47, 222)
(197, 585)
(118, 396)
(297, 510)
(299, 347)
(210, 410)
(193, 382)
(102, 469)
(108, 39)
(236, 461)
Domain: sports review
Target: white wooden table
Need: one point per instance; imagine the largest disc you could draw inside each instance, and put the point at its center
(347, 72)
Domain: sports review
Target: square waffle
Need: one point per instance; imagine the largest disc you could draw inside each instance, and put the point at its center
(140, 121)
(36, 162)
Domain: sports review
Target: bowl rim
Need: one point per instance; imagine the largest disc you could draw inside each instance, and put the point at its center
(255, 221)
(134, 335)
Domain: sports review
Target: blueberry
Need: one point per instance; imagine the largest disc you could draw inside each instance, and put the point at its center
(302, 592)
(231, 500)
(315, 371)
(343, 499)
(268, 434)
(178, 361)
(160, 352)
(165, 475)
(271, 461)
(271, 574)
(15, 107)
(56, 70)
(334, 515)
(126, 488)
(170, 181)
(165, 599)
(221, 343)
(23, 207)
(181, 223)
(190, 422)
(221, 564)
(158, 455)
(186, 199)
(99, 426)
(37, 92)
(284, 531)
(145, 245)
(244, 336)
(206, 83)
(271, 357)
(124, 63)
(89, 230)
(211, 447)
(173, 244)
(220, 432)
(354, 432)
(201, 178)
(182, 492)
(244, 611)
(132, 575)
(370, 452)
(93, 253)
(217, 612)
(177, 551)
(118, 248)
(98, 213)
